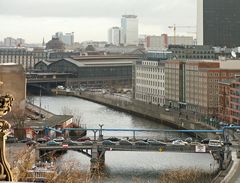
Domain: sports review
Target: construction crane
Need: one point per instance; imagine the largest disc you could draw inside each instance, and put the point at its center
(174, 27)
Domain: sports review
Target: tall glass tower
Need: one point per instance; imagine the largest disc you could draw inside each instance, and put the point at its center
(218, 22)
(129, 29)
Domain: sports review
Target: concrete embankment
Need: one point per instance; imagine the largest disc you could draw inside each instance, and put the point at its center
(143, 109)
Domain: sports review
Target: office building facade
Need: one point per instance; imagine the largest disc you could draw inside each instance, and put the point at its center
(149, 82)
(114, 36)
(218, 23)
(193, 85)
(129, 27)
(67, 39)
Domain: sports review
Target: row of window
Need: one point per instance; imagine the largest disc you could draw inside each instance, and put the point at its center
(150, 99)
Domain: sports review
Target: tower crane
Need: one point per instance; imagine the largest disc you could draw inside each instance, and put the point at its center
(174, 27)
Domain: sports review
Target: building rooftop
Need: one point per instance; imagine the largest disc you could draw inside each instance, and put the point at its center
(50, 122)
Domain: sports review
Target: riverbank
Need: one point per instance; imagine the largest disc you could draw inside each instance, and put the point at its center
(142, 109)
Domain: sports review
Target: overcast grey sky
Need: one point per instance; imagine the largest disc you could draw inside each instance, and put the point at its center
(90, 19)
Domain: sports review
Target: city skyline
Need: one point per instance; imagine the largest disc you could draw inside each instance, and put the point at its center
(89, 19)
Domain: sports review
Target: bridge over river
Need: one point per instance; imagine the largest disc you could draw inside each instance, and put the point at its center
(97, 148)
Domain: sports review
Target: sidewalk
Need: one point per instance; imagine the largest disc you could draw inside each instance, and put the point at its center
(233, 175)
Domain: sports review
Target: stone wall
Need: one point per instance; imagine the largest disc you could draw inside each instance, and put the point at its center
(14, 83)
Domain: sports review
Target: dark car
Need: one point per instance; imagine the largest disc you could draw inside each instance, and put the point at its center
(205, 141)
(141, 143)
(11, 139)
(25, 140)
(156, 143)
(124, 142)
(41, 140)
(108, 142)
(113, 139)
(188, 140)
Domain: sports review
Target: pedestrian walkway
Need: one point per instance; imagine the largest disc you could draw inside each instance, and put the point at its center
(233, 175)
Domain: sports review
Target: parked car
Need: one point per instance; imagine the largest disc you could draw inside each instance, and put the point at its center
(70, 143)
(25, 140)
(82, 139)
(59, 139)
(188, 140)
(87, 142)
(179, 142)
(53, 143)
(141, 143)
(205, 141)
(11, 139)
(195, 143)
(31, 143)
(156, 143)
(41, 140)
(113, 139)
(215, 143)
(108, 142)
(124, 142)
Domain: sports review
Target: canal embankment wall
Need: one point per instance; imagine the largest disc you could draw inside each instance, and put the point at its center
(151, 111)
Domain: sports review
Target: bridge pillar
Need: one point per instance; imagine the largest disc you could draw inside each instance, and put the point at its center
(227, 158)
(97, 159)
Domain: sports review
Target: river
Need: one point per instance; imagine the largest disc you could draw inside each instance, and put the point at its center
(123, 166)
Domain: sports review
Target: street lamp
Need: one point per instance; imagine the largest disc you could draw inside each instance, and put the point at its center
(100, 132)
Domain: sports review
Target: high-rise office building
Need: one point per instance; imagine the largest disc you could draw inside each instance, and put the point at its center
(129, 26)
(218, 22)
(67, 39)
(114, 34)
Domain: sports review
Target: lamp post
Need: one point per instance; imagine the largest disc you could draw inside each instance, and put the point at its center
(100, 132)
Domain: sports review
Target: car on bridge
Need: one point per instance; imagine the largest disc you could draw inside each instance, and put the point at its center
(108, 142)
(156, 143)
(125, 142)
(41, 140)
(87, 143)
(70, 143)
(113, 139)
(59, 139)
(215, 143)
(53, 143)
(205, 141)
(82, 139)
(179, 142)
(141, 143)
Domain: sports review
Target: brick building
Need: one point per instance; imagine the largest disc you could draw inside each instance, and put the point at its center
(229, 101)
(193, 85)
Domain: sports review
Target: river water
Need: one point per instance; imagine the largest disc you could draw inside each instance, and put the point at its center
(124, 166)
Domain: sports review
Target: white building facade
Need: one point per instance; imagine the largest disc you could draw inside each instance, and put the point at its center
(181, 40)
(150, 82)
(114, 36)
(129, 27)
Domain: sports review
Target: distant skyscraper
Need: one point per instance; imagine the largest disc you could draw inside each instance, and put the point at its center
(114, 36)
(67, 39)
(10, 42)
(129, 26)
(218, 22)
